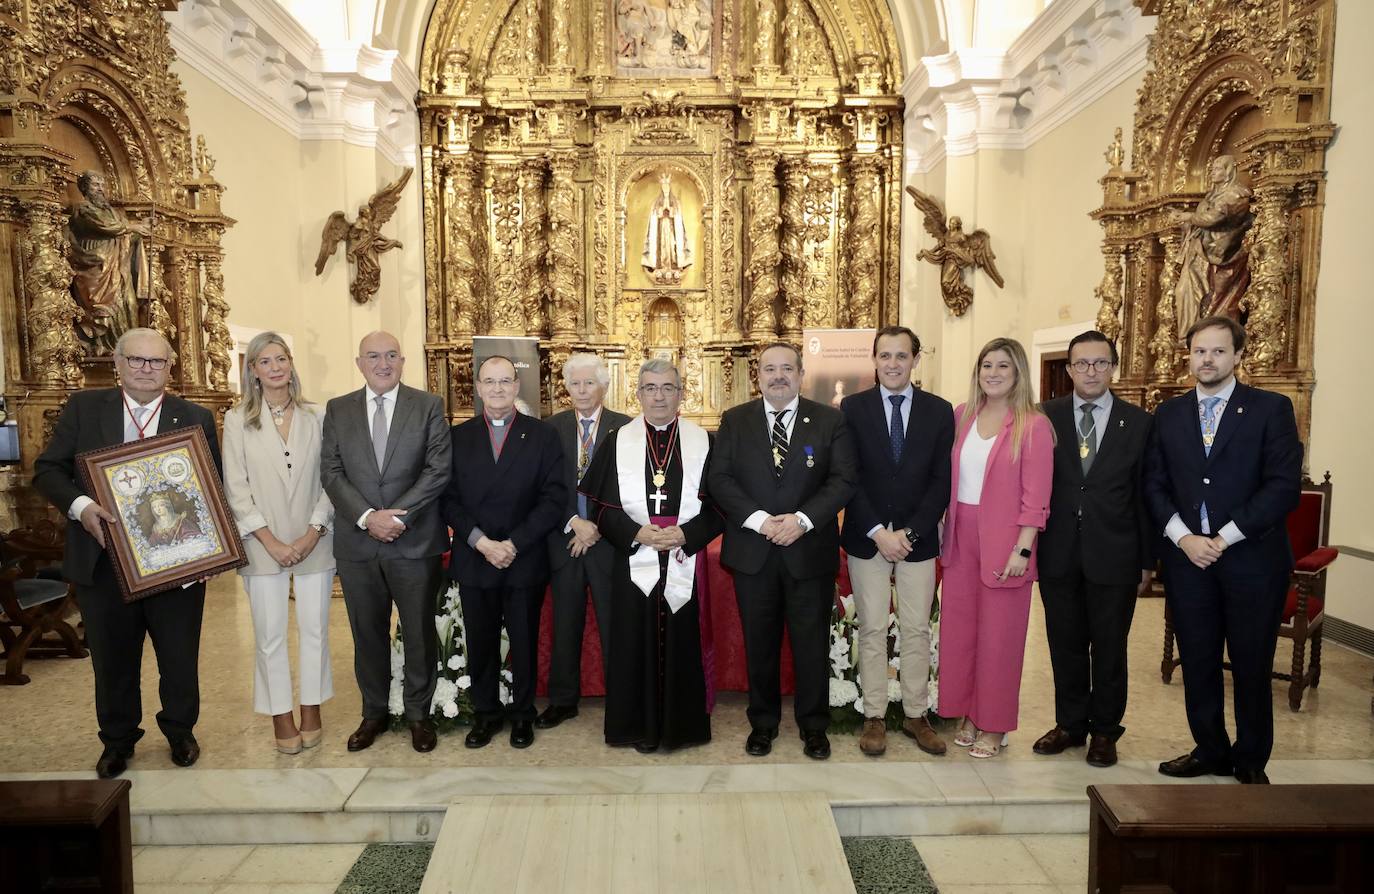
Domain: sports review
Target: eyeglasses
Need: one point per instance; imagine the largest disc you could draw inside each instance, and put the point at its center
(373, 358)
(656, 390)
(1101, 365)
(156, 363)
(504, 383)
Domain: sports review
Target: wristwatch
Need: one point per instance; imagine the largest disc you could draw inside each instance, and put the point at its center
(319, 529)
(804, 525)
(910, 536)
(1025, 552)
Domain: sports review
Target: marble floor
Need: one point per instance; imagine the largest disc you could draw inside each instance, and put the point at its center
(53, 725)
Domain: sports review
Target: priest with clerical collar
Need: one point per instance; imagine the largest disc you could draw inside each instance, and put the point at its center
(647, 486)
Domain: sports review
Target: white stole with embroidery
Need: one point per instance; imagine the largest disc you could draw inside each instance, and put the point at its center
(631, 445)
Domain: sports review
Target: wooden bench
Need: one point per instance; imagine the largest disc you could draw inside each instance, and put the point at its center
(66, 835)
(1216, 839)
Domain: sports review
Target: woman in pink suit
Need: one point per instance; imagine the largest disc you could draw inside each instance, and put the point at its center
(1002, 467)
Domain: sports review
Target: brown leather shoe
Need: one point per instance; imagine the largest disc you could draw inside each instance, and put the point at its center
(873, 740)
(927, 739)
(422, 736)
(1101, 752)
(1056, 740)
(366, 733)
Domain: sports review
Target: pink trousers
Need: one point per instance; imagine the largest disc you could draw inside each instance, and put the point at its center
(982, 636)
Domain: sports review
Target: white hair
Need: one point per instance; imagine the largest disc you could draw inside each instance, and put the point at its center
(593, 362)
(140, 332)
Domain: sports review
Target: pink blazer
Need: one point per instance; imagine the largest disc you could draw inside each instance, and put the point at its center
(1015, 494)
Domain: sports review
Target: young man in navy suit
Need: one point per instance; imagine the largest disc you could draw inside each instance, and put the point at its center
(903, 437)
(1222, 473)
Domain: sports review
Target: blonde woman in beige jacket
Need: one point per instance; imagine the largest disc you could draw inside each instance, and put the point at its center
(272, 477)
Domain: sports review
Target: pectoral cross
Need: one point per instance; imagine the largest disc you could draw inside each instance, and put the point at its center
(127, 478)
(658, 496)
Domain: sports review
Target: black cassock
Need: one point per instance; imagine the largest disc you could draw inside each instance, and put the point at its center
(655, 685)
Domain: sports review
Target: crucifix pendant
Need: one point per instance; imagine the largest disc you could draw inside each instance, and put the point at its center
(660, 478)
(777, 457)
(1082, 449)
(658, 496)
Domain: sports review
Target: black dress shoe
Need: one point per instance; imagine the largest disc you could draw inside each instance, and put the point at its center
(113, 761)
(815, 745)
(185, 752)
(1251, 777)
(645, 748)
(554, 715)
(422, 736)
(366, 733)
(1101, 752)
(522, 734)
(760, 741)
(1057, 740)
(1187, 766)
(482, 731)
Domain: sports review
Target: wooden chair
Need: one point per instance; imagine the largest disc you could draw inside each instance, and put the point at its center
(34, 601)
(1309, 528)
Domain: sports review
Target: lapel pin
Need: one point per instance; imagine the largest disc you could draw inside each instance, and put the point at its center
(522, 436)
(174, 420)
(806, 419)
(1240, 410)
(810, 457)
(1121, 423)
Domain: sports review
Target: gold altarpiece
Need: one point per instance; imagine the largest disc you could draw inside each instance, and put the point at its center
(1245, 78)
(87, 85)
(548, 128)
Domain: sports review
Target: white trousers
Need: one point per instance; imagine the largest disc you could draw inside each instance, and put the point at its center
(268, 599)
(872, 580)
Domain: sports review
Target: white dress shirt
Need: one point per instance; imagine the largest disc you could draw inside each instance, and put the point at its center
(577, 440)
(756, 518)
(1177, 529)
(389, 409)
(910, 394)
(130, 434)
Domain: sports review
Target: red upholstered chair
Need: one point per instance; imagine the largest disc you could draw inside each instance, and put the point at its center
(1303, 612)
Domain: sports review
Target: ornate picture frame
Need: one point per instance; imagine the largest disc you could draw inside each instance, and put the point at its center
(174, 526)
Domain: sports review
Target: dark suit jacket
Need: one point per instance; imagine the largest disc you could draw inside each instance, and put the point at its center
(741, 480)
(413, 474)
(1252, 477)
(912, 494)
(520, 498)
(565, 424)
(91, 420)
(1099, 523)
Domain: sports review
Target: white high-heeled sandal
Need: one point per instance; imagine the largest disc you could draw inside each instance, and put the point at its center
(982, 750)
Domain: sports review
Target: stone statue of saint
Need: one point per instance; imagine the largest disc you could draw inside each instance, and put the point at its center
(667, 250)
(1215, 270)
(107, 260)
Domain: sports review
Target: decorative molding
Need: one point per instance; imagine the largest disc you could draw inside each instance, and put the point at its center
(1071, 55)
(256, 51)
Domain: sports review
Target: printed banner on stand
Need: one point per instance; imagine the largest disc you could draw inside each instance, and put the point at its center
(838, 363)
(524, 353)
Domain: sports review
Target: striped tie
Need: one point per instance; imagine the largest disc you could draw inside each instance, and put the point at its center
(779, 441)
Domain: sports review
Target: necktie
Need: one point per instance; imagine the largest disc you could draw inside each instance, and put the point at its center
(1209, 430)
(379, 431)
(583, 461)
(779, 441)
(895, 432)
(131, 430)
(1087, 440)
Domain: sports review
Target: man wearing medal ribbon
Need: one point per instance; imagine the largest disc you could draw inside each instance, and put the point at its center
(1222, 473)
(647, 486)
(1097, 552)
(115, 630)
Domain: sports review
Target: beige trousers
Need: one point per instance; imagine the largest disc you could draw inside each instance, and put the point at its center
(872, 580)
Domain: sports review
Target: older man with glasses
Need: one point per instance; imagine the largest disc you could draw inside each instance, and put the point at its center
(115, 630)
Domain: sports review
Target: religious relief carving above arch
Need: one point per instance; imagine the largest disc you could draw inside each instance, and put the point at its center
(546, 85)
(1220, 206)
(106, 220)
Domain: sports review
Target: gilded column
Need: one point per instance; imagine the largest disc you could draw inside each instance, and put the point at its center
(218, 342)
(863, 239)
(792, 48)
(1165, 343)
(465, 244)
(54, 352)
(761, 271)
(1109, 291)
(159, 317)
(505, 306)
(533, 244)
(533, 62)
(819, 247)
(565, 267)
(560, 46)
(1264, 300)
(1140, 292)
(793, 244)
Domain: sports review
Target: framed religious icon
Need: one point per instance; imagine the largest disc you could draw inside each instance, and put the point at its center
(174, 526)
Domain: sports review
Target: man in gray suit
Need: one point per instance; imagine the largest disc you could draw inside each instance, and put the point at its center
(385, 462)
(577, 554)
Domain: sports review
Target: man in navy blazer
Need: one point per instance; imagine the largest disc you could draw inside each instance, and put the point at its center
(506, 493)
(1222, 473)
(903, 437)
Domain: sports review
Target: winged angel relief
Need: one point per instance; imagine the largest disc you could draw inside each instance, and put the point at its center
(954, 250)
(363, 238)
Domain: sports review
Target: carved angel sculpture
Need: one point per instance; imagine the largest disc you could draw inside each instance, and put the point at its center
(364, 238)
(954, 251)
